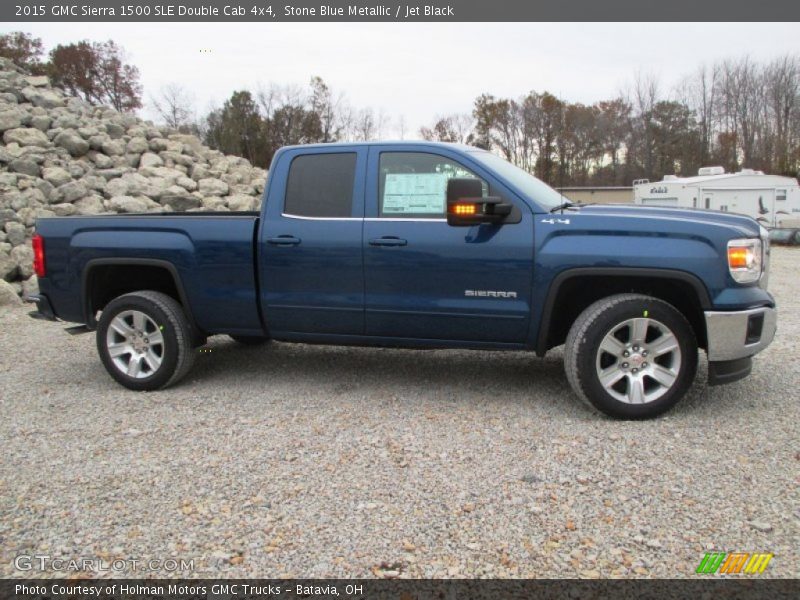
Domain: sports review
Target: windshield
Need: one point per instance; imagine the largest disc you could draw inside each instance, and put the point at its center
(535, 189)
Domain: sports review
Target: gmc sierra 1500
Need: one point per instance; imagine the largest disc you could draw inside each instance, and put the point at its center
(421, 245)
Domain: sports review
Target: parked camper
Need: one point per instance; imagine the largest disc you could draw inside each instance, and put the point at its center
(772, 200)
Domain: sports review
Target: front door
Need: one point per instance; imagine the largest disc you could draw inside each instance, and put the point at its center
(426, 280)
(312, 278)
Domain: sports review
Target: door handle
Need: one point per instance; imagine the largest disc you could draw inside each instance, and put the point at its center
(284, 240)
(387, 241)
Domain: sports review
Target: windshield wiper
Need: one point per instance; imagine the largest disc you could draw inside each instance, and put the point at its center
(562, 206)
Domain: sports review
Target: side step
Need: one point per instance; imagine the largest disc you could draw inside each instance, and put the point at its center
(77, 329)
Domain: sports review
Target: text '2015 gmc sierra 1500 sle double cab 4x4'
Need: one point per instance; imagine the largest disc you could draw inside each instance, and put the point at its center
(417, 244)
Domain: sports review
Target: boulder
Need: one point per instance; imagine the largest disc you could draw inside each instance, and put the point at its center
(212, 187)
(127, 204)
(56, 176)
(26, 136)
(37, 80)
(64, 209)
(8, 268)
(43, 97)
(240, 202)
(214, 203)
(72, 142)
(101, 160)
(15, 233)
(67, 121)
(30, 286)
(25, 165)
(28, 215)
(22, 256)
(69, 192)
(90, 205)
(114, 130)
(180, 201)
(8, 179)
(41, 122)
(113, 147)
(127, 185)
(198, 171)
(6, 215)
(10, 118)
(149, 159)
(8, 294)
(137, 145)
(186, 183)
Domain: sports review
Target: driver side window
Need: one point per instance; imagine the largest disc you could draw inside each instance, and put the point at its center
(414, 184)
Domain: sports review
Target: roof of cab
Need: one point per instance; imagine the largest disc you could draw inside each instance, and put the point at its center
(451, 145)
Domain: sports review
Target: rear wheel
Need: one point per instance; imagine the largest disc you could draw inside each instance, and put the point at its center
(145, 340)
(250, 340)
(631, 356)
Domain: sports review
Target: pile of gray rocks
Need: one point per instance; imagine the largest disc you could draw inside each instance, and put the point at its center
(61, 156)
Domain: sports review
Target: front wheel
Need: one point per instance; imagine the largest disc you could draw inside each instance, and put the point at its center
(631, 356)
(145, 340)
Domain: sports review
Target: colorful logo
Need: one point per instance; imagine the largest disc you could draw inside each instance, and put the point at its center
(734, 562)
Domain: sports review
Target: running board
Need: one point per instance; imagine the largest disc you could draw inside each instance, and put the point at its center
(77, 329)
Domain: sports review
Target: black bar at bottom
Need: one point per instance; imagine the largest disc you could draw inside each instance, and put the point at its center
(744, 587)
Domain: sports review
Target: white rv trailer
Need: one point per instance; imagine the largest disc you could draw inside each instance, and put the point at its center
(772, 200)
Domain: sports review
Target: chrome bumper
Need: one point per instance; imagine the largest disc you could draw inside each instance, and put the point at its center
(739, 334)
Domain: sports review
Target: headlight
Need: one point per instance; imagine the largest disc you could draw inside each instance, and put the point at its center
(745, 260)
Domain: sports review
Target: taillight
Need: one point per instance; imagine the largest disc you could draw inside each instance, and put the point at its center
(38, 255)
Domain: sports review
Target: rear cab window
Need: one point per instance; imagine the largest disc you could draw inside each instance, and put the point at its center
(321, 186)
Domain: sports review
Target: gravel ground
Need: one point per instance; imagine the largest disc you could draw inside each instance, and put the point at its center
(294, 460)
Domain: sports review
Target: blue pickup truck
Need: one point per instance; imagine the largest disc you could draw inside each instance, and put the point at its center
(421, 245)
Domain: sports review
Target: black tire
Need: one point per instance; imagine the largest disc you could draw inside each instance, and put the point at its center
(250, 340)
(584, 360)
(177, 353)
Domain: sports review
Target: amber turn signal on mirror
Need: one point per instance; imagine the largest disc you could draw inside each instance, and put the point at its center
(464, 209)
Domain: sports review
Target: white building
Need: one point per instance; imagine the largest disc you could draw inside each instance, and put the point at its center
(772, 200)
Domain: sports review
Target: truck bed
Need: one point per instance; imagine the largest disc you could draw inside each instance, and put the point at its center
(211, 253)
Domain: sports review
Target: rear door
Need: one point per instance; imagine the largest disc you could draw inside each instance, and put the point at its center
(311, 256)
(427, 280)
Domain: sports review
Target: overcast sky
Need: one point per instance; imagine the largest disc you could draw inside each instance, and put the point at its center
(422, 69)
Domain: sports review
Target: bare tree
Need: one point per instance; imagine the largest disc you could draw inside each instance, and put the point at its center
(701, 93)
(401, 127)
(783, 99)
(174, 105)
(365, 125)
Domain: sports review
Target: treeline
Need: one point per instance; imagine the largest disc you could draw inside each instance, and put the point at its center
(735, 113)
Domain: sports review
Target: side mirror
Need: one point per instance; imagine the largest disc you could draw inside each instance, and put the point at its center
(466, 205)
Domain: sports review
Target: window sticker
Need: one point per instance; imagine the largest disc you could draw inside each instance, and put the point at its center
(414, 193)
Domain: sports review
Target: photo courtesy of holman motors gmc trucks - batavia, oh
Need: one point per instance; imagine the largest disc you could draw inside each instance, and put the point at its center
(421, 245)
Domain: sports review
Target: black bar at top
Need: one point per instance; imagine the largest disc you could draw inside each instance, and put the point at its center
(402, 11)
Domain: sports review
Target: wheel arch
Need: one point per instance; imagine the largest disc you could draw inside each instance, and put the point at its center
(683, 290)
(142, 273)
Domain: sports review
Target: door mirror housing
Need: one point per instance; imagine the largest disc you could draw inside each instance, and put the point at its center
(467, 206)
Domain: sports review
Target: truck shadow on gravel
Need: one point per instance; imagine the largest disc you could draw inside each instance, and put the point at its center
(508, 378)
(355, 367)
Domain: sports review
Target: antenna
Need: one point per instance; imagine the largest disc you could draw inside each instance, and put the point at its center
(561, 184)
(561, 165)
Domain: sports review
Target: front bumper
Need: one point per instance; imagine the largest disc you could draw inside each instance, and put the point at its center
(739, 334)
